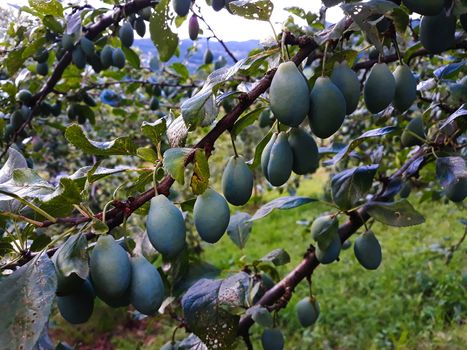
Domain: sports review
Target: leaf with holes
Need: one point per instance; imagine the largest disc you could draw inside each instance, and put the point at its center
(209, 308)
(259, 10)
(26, 297)
(165, 40)
(361, 12)
(50, 7)
(399, 214)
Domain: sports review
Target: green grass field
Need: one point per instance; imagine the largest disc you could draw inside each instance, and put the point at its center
(415, 300)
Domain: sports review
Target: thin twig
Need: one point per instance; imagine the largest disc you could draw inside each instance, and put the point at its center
(227, 50)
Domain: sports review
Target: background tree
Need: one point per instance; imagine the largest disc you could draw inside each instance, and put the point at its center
(100, 144)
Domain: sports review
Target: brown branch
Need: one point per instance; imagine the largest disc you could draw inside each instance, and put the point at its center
(309, 263)
(92, 31)
(123, 209)
(141, 82)
(392, 58)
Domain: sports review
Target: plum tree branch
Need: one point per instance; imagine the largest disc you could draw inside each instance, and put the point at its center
(92, 31)
(393, 58)
(123, 209)
(309, 263)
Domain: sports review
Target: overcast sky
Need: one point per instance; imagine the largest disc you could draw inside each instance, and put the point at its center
(230, 27)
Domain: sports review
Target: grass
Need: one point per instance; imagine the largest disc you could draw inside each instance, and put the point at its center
(415, 300)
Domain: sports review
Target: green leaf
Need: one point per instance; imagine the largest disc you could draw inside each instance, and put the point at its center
(47, 7)
(253, 163)
(210, 306)
(174, 163)
(120, 146)
(281, 203)
(93, 174)
(52, 23)
(60, 202)
(165, 40)
(72, 257)
(32, 47)
(39, 243)
(246, 121)
(180, 69)
(14, 61)
(200, 178)
(356, 142)
(154, 131)
(147, 154)
(259, 10)
(131, 56)
(399, 214)
(349, 186)
(239, 228)
(26, 297)
(278, 257)
(401, 19)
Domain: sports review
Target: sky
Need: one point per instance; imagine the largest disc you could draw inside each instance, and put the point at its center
(230, 27)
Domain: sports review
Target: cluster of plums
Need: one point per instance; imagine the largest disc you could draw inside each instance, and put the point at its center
(437, 30)
(324, 231)
(165, 224)
(115, 278)
(307, 311)
(83, 49)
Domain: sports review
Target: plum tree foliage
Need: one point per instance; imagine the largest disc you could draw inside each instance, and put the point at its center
(103, 147)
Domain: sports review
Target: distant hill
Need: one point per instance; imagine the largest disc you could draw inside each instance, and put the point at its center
(240, 49)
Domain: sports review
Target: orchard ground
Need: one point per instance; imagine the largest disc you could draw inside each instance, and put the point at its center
(415, 300)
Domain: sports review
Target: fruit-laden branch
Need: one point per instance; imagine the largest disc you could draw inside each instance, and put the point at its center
(393, 58)
(281, 292)
(123, 209)
(91, 32)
